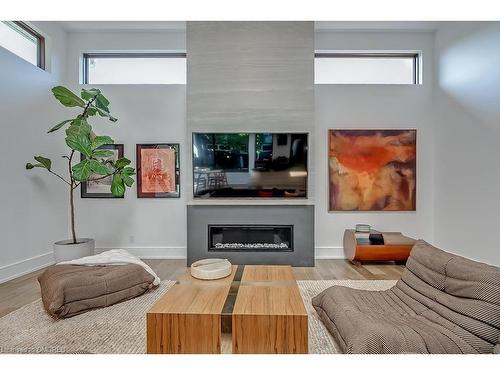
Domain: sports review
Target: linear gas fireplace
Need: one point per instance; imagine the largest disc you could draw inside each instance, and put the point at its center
(251, 234)
(250, 237)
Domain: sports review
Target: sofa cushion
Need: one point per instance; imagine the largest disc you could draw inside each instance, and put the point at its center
(468, 297)
(372, 322)
(442, 304)
(68, 290)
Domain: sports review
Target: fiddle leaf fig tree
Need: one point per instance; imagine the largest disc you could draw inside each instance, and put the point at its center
(80, 137)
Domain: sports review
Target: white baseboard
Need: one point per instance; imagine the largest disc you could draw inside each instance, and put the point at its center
(23, 267)
(324, 252)
(170, 252)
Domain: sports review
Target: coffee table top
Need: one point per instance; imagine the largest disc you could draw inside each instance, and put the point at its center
(269, 290)
(262, 290)
(193, 296)
(267, 273)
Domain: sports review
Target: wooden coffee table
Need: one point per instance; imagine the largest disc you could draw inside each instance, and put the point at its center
(186, 319)
(269, 315)
(261, 305)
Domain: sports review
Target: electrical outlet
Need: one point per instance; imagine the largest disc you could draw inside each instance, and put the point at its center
(131, 239)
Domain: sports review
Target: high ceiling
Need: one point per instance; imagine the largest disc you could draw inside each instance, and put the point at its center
(157, 26)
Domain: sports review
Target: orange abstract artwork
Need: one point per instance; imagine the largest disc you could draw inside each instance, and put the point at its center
(372, 170)
(158, 170)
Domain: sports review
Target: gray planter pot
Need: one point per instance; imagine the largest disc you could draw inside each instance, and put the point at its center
(65, 250)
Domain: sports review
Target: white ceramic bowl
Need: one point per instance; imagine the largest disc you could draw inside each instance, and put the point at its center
(211, 269)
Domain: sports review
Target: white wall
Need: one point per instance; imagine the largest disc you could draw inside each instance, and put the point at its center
(336, 106)
(146, 114)
(375, 106)
(458, 145)
(467, 95)
(156, 113)
(33, 203)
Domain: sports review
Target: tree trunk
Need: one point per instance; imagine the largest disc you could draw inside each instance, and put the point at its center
(72, 186)
(72, 207)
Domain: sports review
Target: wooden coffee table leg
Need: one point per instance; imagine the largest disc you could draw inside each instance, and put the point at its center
(270, 334)
(183, 333)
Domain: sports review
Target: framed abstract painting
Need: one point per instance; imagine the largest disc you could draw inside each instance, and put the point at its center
(158, 170)
(372, 170)
(101, 187)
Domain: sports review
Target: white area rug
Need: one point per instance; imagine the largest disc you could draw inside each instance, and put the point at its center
(121, 328)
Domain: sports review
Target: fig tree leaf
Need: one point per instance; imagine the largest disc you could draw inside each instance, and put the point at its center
(105, 114)
(79, 142)
(89, 94)
(67, 97)
(44, 161)
(37, 165)
(79, 126)
(99, 168)
(129, 181)
(102, 154)
(31, 166)
(101, 140)
(128, 171)
(59, 126)
(91, 111)
(121, 163)
(117, 186)
(102, 103)
(82, 170)
(102, 99)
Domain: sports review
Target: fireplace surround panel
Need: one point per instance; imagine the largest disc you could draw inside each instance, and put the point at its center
(259, 234)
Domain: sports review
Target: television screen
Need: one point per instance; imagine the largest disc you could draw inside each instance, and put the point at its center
(250, 165)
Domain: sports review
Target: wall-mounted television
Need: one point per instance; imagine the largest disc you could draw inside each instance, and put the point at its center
(250, 165)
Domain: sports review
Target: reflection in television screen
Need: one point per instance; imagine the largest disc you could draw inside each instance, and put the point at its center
(250, 165)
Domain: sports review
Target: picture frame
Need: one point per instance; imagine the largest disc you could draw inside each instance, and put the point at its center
(101, 188)
(372, 169)
(158, 170)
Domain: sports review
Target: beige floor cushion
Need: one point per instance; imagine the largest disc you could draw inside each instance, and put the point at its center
(68, 290)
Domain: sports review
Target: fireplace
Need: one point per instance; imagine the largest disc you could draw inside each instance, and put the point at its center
(257, 234)
(250, 237)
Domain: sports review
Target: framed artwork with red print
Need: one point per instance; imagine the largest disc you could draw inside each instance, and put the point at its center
(158, 170)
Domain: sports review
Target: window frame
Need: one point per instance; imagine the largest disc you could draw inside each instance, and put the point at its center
(415, 56)
(89, 55)
(40, 41)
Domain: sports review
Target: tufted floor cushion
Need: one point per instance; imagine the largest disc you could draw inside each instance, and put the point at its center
(68, 290)
(443, 303)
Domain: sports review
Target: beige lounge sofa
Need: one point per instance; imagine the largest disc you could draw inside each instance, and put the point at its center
(443, 303)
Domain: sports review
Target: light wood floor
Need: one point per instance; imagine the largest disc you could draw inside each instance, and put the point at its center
(23, 290)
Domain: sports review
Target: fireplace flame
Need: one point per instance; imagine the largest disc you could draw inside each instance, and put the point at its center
(237, 245)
